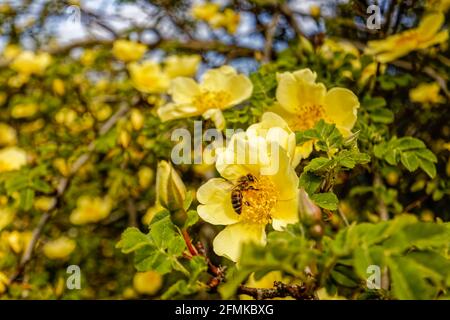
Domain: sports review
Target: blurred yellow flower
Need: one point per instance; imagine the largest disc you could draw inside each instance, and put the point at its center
(6, 217)
(24, 110)
(205, 11)
(8, 135)
(273, 128)
(59, 248)
(136, 119)
(18, 241)
(146, 176)
(210, 12)
(3, 282)
(88, 57)
(314, 11)
(425, 35)
(90, 210)
(426, 93)
(11, 51)
(28, 62)
(148, 77)
(182, 66)
(12, 158)
(438, 5)
(44, 203)
(147, 282)
(58, 87)
(219, 89)
(259, 187)
(228, 20)
(128, 51)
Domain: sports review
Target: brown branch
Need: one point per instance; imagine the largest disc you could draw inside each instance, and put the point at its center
(280, 290)
(270, 33)
(61, 188)
(291, 18)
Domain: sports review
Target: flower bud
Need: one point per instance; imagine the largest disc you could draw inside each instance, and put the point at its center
(148, 283)
(137, 119)
(145, 177)
(170, 189)
(309, 212)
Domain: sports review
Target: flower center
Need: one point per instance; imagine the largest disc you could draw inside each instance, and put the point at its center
(258, 199)
(307, 117)
(211, 100)
(406, 37)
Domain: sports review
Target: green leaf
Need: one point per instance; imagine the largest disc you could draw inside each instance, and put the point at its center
(26, 199)
(192, 218)
(384, 116)
(428, 167)
(410, 160)
(133, 239)
(310, 182)
(318, 164)
(326, 200)
(41, 186)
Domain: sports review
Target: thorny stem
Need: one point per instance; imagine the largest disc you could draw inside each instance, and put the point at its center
(280, 290)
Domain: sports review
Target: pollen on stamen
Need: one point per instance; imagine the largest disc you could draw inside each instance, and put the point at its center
(258, 202)
(212, 100)
(307, 117)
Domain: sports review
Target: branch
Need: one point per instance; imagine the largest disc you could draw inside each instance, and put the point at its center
(270, 33)
(280, 290)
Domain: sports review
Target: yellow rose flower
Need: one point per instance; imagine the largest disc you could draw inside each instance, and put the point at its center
(147, 282)
(59, 248)
(182, 66)
(315, 11)
(128, 51)
(148, 77)
(58, 87)
(302, 102)
(205, 11)
(273, 128)
(425, 35)
(90, 210)
(28, 62)
(8, 135)
(426, 93)
(259, 187)
(24, 110)
(12, 158)
(219, 89)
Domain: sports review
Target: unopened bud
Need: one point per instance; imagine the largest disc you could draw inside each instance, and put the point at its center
(309, 212)
(170, 189)
(137, 119)
(145, 177)
(124, 138)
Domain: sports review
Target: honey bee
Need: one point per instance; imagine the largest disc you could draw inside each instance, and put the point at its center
(244, 183)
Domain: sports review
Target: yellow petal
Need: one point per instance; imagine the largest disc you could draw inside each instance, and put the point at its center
(341, 107)
(217, 117)
(229, 241)
(215, 199)
(439, 38)
(183, 90)
(172, 111)
(305, 75)
(430, 25)
(284, 213)
(288, 92)
(285, 178)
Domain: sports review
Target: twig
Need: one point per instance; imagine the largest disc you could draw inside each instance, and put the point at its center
(270, 33)
(291, 18)
(280, 290)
